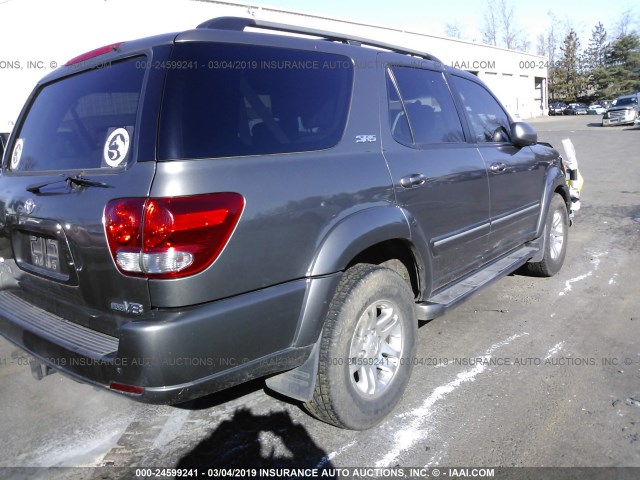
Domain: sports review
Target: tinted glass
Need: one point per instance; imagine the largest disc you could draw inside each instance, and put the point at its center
(234, 100)
(625, 101)
(487, 119)
(429, 106)
(3, 142)
(397, 117)
(84, 121)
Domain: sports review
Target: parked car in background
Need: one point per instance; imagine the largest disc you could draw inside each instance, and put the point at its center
(596, 109)
(557, 108)
(623, 111)
(576, 109)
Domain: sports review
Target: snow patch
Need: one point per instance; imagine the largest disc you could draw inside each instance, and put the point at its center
(327, 458)
(595, 261)
(567, 284)
(556, 348)
(411, 428)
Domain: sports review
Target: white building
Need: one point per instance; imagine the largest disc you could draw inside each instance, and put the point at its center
(38, 35)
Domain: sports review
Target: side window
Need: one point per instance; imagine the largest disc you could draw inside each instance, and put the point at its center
(253, 100)
(397, 116)
(488, 121)
(427, 103)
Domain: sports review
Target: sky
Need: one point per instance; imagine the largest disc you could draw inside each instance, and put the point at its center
(431, 17)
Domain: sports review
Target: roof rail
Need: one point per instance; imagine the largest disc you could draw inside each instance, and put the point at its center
(240, 23)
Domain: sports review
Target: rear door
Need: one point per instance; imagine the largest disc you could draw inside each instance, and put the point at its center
(439, 178)
(515, 174)
(84, 139)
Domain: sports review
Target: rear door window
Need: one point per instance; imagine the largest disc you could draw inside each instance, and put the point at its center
(235, 100)
(426, 103)
(81, 122)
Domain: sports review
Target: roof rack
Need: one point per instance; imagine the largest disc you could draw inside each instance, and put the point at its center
(240, 23)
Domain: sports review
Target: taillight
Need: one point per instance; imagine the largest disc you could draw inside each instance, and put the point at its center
(170, 237)
(93, 53)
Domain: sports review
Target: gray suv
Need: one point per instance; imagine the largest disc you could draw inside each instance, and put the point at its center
(184, 213)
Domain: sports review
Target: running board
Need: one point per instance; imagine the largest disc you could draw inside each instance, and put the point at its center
(463, 289)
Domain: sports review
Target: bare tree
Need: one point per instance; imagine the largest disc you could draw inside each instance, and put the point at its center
(542, 47)
(509, 32)
(547, 42)
(523, 45)
(500, 27)
(547, 45)
(624, 25)
(490, 28)
(453, 30)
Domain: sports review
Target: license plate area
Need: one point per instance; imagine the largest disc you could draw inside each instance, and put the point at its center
(42, 252)
(45, 253)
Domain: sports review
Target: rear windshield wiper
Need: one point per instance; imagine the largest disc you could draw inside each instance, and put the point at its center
(85, 182)
(70, 180)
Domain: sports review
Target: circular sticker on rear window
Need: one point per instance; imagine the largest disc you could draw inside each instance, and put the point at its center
(17, 153)
(116, 147)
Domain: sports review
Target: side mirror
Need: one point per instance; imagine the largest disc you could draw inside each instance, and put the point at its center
(523, 134)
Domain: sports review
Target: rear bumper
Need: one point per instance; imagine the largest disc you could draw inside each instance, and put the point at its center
(174, 355)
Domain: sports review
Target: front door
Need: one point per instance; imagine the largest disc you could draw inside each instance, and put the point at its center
(439, 179)
(515, 174)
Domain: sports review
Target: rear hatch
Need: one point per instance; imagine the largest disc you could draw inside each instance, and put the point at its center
(86, 136)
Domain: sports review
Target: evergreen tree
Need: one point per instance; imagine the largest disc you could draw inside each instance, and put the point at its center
(596, 52)
(595, 61)
(623, 65)
(569, 75)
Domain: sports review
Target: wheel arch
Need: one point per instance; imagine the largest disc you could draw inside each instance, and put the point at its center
(356, 233)
(377, 235)
(555, 183)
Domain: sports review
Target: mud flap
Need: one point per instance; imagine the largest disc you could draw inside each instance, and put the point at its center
(39, 370)
(300, 382)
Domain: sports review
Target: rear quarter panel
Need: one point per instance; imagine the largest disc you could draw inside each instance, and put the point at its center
(293, 201)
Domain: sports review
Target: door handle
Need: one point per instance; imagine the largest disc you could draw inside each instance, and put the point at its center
(413, 180)
(498, 167)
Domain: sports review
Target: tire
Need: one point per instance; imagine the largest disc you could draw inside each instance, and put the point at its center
(556, 233)
(367, 349)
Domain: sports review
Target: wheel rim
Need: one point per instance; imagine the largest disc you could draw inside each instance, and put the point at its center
(556, 236)
(376, 349)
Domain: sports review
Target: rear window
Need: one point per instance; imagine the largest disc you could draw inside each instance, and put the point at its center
(81, 122)
(226, 100)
